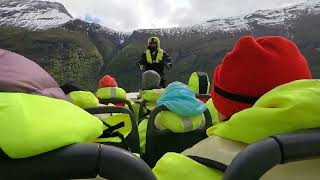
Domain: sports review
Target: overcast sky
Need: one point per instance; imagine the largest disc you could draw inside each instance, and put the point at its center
(128, 15)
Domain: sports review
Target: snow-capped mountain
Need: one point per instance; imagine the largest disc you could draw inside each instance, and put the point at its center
(75, 49)
(39, 15)
(89, 28)
(269, 18)
(32, 14)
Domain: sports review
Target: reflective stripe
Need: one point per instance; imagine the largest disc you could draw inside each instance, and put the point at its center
(187, 123)
(113, 93)
(159, 55)
(148, 56)
(158, 58)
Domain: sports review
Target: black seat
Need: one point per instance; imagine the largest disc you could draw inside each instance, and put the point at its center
(258, 158)
(203, 82)
(203, 86)
(159, 142)
(116, 100)
(77, 161)
(142, 113)
(132, 139)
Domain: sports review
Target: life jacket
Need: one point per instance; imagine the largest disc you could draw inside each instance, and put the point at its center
(160, 52)
(287, 108)
(171, 121)
(83, 99)
(151, 96)
(112, 92)
(113, 121)
(178, 124)
(185, 115)
(32, 124)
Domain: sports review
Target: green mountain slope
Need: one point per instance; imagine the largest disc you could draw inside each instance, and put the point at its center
(82, 52)
(67, 56)
(203, 53)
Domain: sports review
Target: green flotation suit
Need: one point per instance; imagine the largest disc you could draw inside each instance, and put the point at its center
(111, 92)
(84, 99)
(171, 121)
(31, 124)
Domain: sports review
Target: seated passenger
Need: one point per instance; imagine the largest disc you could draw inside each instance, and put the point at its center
(262, 88)
(150, 93)
(35, 116)
(86, 99)
(108, 88)
(80, 97)
(150, 80)
(185, 115)
(19, 74)
(34, 102)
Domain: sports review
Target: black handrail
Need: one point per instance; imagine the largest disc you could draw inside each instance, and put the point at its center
(258, 158)
(116, 100)
(75, 162)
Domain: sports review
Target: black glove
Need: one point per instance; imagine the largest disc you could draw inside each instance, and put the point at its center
(168, 66)
(140, 66)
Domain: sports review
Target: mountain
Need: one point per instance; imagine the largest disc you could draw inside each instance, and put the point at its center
(275, 18)
(73, 50)
(201, 47)
(33, 15)
(33, 29)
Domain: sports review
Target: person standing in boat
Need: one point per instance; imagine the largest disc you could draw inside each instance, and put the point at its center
(155, 58)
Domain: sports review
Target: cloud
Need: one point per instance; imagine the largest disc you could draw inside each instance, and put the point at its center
(127, 15)
(92, 19)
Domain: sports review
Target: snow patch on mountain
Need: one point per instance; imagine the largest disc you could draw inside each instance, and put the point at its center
(270, 18)
(42, 15)
(32, 14)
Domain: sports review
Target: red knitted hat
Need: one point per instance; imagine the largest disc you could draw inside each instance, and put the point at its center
(254, 67)
(107, 81)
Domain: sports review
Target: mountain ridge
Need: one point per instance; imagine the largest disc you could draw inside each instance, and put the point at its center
(194, 48)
